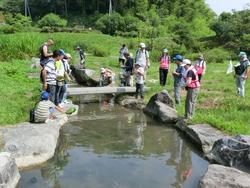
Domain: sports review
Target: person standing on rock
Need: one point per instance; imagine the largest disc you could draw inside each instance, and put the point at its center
(192, 87)
(44, 52)
(49, 75)
(128, 67)
(139, 76)
(178, 78)
(123, 50)
(142, 58)
(200, 66)
(82, 57)
(242, 73)
(164, 66)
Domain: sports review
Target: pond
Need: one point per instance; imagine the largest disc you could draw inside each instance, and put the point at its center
(108, 146)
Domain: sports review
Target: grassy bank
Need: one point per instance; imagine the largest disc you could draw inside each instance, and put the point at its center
(217, 103)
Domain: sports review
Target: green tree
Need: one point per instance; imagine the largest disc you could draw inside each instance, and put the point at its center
(52, 20)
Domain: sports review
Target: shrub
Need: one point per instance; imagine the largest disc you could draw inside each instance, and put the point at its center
(100, 52)
(52, 20)
(216, 55)
(7, 29)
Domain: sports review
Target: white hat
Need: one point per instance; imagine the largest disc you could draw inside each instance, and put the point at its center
(68, 55)
(142, 45)
(165, 50)
(103, 70)
(186, 62)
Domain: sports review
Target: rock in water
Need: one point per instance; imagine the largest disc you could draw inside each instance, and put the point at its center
(219, 176)
(85, 77)
(231, 151)
(9, 174)
(161, 107)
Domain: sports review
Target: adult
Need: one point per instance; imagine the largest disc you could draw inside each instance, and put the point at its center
(200, 66)
(242, 73)
(62, 68)
(44, 52)
(142, 58)
(139, 75)
(49, 75)
(192, 87)
(122, 52)
(178, 78)
(45, 109)
(82, 57)
(164, 66)
(128, 68)
(68, 77)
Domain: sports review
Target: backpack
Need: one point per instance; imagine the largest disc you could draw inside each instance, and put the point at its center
(240, 69)
(32, 114)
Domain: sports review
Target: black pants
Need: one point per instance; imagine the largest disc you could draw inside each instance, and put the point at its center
(200, 75)
(139, 89)
(163, 76)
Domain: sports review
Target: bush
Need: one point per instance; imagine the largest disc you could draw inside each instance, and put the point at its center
(7, 29)
(52, 20)
(216, 55)
(100, 52)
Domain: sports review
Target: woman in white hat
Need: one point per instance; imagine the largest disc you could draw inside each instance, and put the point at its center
(164, 66)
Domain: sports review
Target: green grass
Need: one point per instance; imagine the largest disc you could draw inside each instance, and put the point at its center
(217, 102)
(18, 92)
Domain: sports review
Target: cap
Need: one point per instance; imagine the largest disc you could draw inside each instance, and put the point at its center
(200, 56)
(103, 70)
(61, 52)
(242, 54)
(186, 62)
(165, 50)
(178, 58)
(68, 55)
(142, 45)
(44, 95)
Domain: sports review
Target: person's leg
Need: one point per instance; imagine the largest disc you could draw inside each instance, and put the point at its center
(193, 100)
(52, 93)
(242, 82)
(141, 91)
(238, 86)
(188, 104)
(161, 76)
(177, 96)
(61, 93)
(165, 73)
(137, 90)
(65, 93)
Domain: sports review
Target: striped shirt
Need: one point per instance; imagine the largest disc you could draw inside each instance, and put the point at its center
(51, 72)
(42, 111)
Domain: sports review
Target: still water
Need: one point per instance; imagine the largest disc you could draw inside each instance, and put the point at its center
(108, 146)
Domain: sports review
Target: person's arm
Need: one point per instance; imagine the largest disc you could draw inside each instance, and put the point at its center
(45, 51)
(44, 75)
(247, 72)
(188, 80)
(59, 109)
(205, 67)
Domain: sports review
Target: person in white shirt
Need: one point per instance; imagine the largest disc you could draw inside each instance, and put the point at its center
(139, 76)
(123, 50)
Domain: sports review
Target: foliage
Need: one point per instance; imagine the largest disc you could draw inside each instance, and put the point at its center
(217, 55)
(100, 52)
(52, 20)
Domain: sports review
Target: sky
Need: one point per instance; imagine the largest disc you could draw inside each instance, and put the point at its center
(219, 6)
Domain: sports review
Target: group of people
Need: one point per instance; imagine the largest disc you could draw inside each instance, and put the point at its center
(54, 75)
(185, 75)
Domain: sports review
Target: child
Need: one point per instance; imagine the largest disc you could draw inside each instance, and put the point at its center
(45, 109)
(139, 76)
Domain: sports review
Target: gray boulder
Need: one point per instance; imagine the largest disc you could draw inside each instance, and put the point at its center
(204, 135)
(162, 97)
(231, 152)
(131, 102)
(161, 112)
(219, 176)
(32, 144)
(9, 174)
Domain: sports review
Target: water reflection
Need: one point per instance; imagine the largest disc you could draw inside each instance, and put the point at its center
(115, 147)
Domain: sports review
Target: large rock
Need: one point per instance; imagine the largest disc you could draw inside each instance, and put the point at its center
(131, 102)
(32, 144)
(9, 174)
(219, 176)
(231, 152)
(161, 107)
(204, 135)
(85, 77)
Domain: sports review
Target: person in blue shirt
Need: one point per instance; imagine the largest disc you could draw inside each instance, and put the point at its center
(178, 78)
